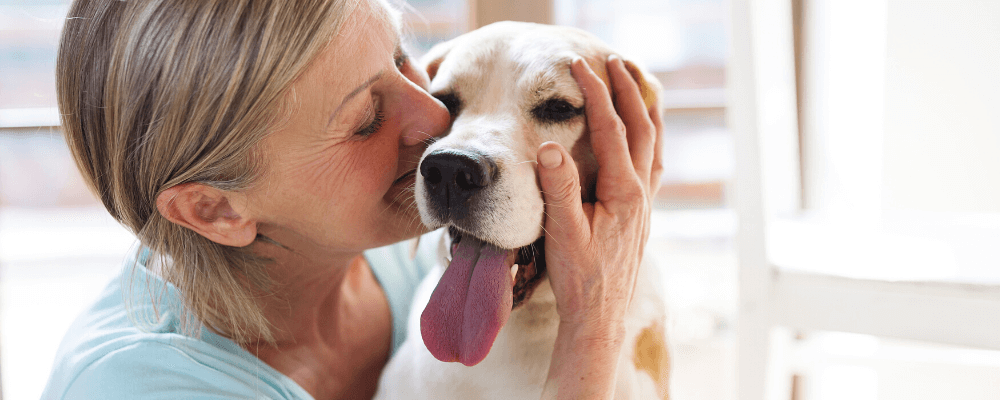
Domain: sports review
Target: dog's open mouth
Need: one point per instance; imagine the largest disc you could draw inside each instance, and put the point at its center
(475, 296)
(529, 266)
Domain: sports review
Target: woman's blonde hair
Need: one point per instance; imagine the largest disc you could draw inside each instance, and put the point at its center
(158, 93)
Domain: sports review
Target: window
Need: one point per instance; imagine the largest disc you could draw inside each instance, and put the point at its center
(29, 35)
(433, 21)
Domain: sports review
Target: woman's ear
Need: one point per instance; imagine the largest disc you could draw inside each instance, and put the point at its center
(221, 216)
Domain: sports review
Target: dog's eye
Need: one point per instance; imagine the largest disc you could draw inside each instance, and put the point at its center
(556, 110)
(451, 101)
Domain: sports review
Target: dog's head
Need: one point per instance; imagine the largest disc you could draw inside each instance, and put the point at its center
(509, 88)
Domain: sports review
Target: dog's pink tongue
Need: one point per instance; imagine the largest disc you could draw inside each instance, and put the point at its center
(470, 304)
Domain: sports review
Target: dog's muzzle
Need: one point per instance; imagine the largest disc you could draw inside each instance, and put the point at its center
(453, 178)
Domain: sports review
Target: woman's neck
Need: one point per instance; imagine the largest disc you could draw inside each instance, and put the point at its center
(333, 325)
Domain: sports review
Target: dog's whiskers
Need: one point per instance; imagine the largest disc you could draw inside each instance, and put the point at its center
(428, 136)
(415, 221)
(549, 217)
(547, 236)
(407, 191)
(429, 139)
(551, 205)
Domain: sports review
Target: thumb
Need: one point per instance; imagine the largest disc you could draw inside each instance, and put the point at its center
(561, 190)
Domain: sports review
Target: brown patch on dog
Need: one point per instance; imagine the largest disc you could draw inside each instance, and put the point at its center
(648, 90)
(651, 355)
(598, 63)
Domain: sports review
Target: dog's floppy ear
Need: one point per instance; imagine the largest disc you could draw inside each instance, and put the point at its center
(432, 60)
(649, 87)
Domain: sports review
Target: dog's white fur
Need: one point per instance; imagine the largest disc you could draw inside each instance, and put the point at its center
(500, 72)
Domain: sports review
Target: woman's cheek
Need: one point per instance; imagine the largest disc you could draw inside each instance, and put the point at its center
(375, 169)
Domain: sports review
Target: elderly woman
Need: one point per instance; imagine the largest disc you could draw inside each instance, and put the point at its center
(262, 151)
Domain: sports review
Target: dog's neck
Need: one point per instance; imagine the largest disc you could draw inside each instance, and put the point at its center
(537, 313)
(531, 332)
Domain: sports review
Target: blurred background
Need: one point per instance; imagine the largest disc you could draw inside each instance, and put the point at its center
(828, 225)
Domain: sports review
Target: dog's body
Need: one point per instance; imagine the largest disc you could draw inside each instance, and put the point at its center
(509, 89)
(518, 363)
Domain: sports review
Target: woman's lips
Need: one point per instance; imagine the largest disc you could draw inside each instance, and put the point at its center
(409, 174)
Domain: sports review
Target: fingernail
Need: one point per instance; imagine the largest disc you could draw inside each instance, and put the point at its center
(550, 157)
(615, 59)
(576, 62)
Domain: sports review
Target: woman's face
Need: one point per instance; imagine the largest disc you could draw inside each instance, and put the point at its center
(341, 167)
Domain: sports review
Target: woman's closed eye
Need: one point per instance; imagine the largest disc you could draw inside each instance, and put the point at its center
(374, 115)
(373, 127)
(374, 118)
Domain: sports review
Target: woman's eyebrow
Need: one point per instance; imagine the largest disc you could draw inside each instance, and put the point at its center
(353, 93)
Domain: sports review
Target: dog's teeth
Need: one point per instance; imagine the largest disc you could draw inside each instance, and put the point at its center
(513, 272)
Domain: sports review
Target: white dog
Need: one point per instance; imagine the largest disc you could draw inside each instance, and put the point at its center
(488, 304)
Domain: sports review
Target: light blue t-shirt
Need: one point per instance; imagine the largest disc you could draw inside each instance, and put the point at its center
(109, 354)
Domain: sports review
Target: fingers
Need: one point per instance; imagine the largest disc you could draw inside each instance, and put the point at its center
(607, 132)
(656, 169)
(632, 110)
(565, 221)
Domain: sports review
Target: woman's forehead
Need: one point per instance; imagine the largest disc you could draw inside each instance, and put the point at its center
(370, 28)
(374, 14)
(365, 42)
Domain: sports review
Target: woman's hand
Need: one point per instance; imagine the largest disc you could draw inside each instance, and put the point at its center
(593, 251)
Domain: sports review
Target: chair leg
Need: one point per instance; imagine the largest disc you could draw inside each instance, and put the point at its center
(752, 353)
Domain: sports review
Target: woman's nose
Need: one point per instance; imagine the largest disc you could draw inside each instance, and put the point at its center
(426, 117)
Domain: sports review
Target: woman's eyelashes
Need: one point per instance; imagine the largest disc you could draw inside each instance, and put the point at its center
(372, 127)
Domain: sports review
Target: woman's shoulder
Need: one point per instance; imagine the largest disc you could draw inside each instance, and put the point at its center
(146, 369)
(126, 346)
(151, 368)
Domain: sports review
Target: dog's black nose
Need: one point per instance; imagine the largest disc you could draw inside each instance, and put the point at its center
(452, 177)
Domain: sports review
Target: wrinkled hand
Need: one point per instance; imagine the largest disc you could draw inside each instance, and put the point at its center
(593, 251)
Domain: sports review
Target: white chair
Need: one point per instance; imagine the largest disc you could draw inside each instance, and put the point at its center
(774, 302)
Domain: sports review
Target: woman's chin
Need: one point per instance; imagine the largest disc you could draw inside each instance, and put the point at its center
(394, 233)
